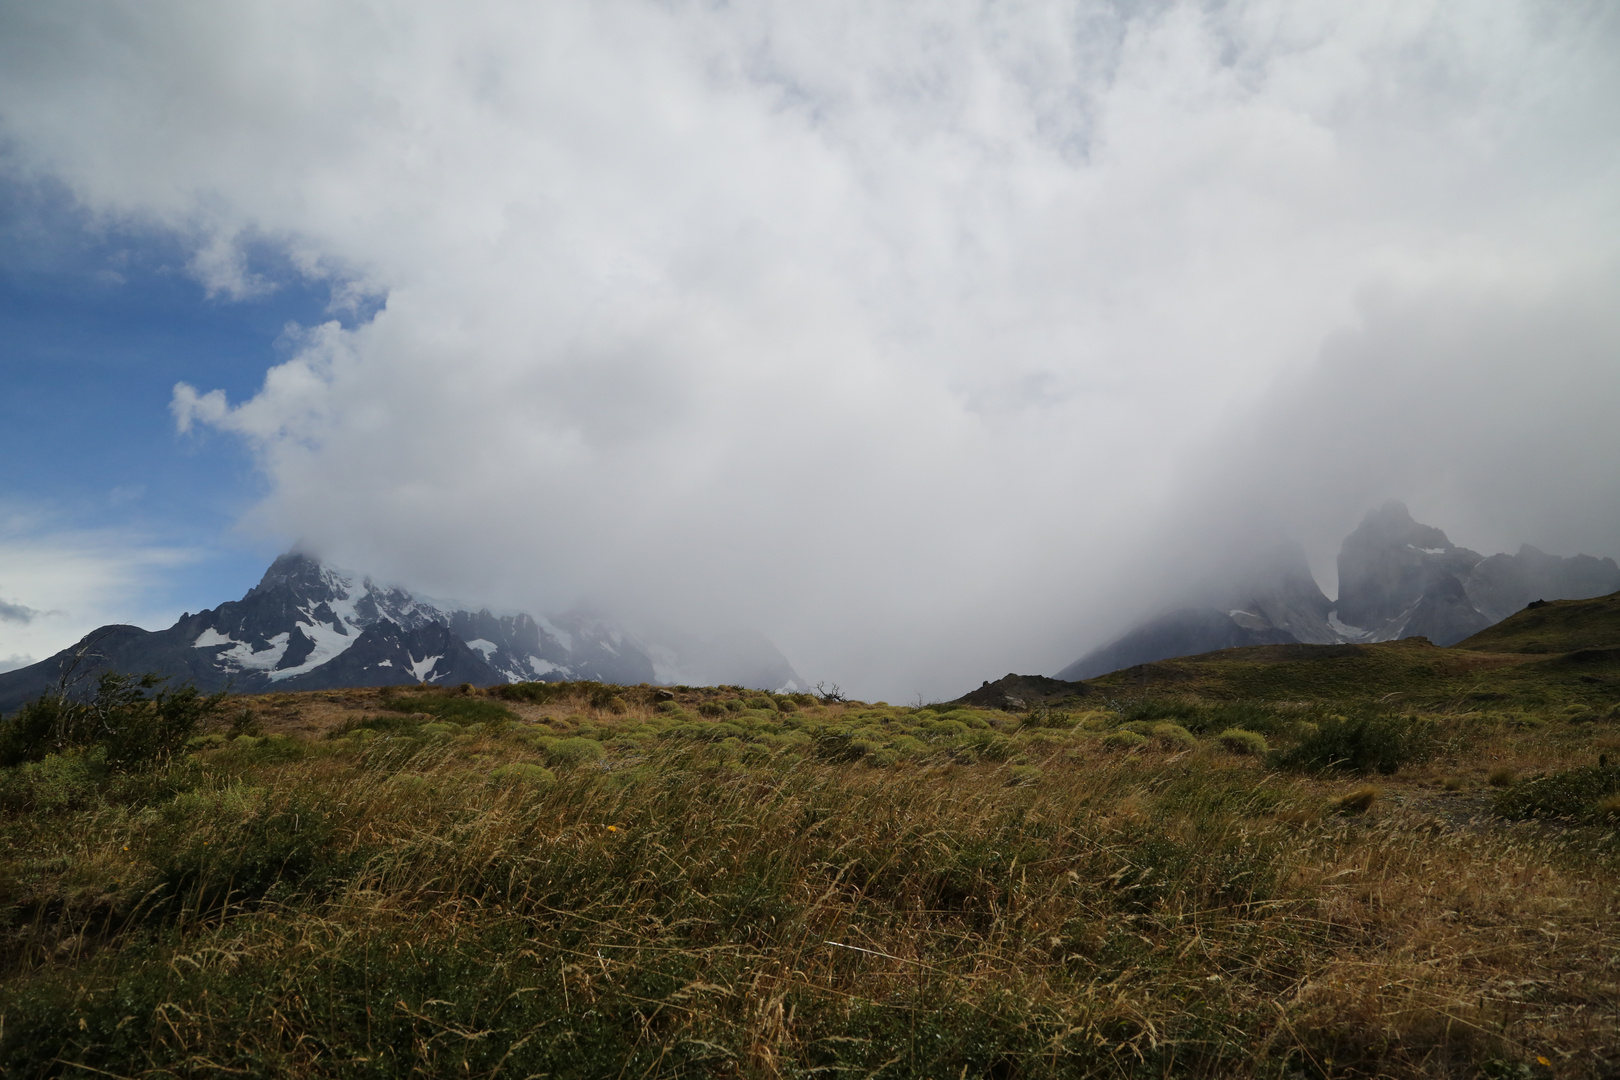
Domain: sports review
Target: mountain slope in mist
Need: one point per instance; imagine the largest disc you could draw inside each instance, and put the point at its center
(1398, 578)
(306, 626)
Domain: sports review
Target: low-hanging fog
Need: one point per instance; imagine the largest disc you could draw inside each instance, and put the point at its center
(934, 341)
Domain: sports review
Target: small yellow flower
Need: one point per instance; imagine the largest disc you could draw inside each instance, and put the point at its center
(1541, 1060)
(613, 828)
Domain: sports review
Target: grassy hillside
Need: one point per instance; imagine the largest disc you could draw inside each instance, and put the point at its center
(1410, 671)
(1554, 626)
(1267, 863)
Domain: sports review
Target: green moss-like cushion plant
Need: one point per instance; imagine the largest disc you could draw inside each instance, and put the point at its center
(1238, 741)
(1124, 739)
(573, 751)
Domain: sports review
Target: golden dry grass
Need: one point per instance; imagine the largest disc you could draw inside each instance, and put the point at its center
(687, 909)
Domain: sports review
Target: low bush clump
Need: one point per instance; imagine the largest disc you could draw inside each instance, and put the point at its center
(1173, 736)
(1360, 744)
(455, 710)
(534, 693)
(1239, 741)
(1572, 793)
(1202, 717)
(1124, 739)
(573, 751)
(522, 772)
(1354, 802)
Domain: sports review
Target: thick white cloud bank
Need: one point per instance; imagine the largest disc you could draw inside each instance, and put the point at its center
(918, 337)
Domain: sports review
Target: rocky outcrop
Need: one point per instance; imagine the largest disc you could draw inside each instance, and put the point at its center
(1442, 614)
(1387, 566)
(1019, 692)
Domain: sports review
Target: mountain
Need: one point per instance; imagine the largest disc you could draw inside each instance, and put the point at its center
(1277, 602)
(1398, 578)
(307, 626)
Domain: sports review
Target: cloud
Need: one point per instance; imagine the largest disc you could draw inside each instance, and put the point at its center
(88, 579)
(903, 335)
(16, 613)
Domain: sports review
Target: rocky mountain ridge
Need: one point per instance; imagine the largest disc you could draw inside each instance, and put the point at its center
(307, 626)
(1398, 578)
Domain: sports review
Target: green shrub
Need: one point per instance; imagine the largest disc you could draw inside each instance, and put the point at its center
(383, 724)
(990, 746)
(1239, 741)
(1042, 717)
(1258, 717)
(455, 710)
(1173, 736)
(66, 781)
(1361, 744)
(535, 693)
(523, 772)
(842, 744)
(1124, 739)
(711, 708)
(1166, 734)
(273, 852)
(908, 745)
(942, 730)
(1202, 718)
(1573, 793)
(135, 727)
(573, 751)
(708, 730)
